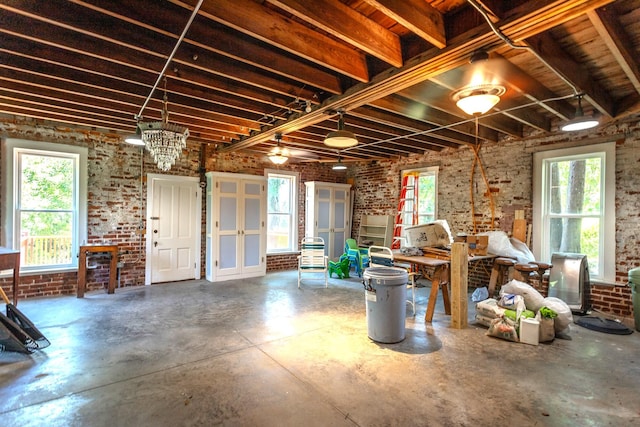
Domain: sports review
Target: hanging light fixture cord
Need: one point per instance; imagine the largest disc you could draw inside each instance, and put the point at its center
(138, 117)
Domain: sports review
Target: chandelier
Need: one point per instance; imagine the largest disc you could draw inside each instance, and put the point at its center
(164, 141)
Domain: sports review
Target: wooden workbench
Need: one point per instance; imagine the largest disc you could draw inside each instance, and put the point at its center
(10, 260)
(82, 266)
(438, 271)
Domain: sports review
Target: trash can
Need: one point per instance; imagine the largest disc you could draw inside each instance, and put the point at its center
(634, 282)
(385, 299)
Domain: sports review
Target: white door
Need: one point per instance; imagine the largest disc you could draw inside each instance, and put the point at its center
(228, 244)
(340, 222)
(323, 218)
(253, 240)
(173, 228)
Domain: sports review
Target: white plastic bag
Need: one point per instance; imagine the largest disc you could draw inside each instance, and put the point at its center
(564, 318)
(500, 244)
(533, 300)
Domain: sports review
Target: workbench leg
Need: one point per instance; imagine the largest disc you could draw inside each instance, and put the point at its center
(82, 273)
(431, 305)
(113, 270)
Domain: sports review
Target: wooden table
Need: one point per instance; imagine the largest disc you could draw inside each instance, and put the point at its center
(10, 260)
(438, 271)
(82, 266)
(435, 270)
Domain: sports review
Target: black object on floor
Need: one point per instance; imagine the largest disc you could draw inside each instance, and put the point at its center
(607, 326)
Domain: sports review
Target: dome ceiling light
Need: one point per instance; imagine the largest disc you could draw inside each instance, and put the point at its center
(477, 100)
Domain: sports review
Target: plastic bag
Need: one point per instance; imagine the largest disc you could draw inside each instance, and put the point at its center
(503, 328)
(513, 315)
(533, 300)
(500, 244)
(480, 294)
(512, 302)
(484, 320)
(547, 331)
(489, 308)
(564, 317)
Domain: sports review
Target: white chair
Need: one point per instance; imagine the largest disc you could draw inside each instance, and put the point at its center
(312, 258)
(381, 256)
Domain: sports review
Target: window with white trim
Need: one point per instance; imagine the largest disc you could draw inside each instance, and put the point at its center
(425, 182)
(574, 206)
(282, 212)
(45, 214)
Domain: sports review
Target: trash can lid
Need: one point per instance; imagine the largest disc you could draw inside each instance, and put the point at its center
(634, 275)
(386, 275)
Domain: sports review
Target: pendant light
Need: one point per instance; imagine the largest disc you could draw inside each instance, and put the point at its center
(279, 155)
(339, 166)
(580, 121)
(340, 138)
(135, 138)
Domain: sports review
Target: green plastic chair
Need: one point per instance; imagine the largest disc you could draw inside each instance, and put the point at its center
(359, 257)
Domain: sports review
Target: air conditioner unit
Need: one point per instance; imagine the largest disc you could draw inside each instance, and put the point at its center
(569, 280)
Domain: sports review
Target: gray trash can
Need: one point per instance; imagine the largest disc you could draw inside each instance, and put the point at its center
(634, 282)
(385, 298)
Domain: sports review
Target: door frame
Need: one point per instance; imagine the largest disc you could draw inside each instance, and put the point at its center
(151, 179)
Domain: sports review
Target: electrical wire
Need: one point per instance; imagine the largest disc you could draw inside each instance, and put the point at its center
(138, 117)
(461, 122)
(511, 44)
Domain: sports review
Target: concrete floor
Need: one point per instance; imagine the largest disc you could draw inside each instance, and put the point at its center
(261, 352)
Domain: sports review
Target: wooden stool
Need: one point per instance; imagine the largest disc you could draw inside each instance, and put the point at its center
(500, 267)
(542, 268)
(523, 272)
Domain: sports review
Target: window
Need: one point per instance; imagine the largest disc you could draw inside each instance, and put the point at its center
(282, 212)
(574, 206)
(45, 214)
(426, 182)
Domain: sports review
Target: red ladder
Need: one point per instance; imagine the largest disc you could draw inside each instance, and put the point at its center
(406, 211)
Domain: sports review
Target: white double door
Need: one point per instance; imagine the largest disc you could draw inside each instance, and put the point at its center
(237, 216)
(329, 215)
(174, 213)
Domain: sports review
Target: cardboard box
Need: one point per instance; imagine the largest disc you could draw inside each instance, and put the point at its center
(477, 244)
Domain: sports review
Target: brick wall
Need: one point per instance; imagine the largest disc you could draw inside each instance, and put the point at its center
(508, 170)
(115, 196)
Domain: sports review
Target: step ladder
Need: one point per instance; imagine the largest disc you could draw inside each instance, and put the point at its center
(407, 213)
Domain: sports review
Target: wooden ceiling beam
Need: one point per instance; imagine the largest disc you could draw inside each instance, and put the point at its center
(526, 20)
(122, 100)
(64, 46)
(606, 22)
(349, 26)
(415, 128)
(228, 43)
(416, 15)
(552, 53)
(258, 21)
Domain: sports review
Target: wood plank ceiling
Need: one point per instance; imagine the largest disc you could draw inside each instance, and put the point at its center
(248, 69)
